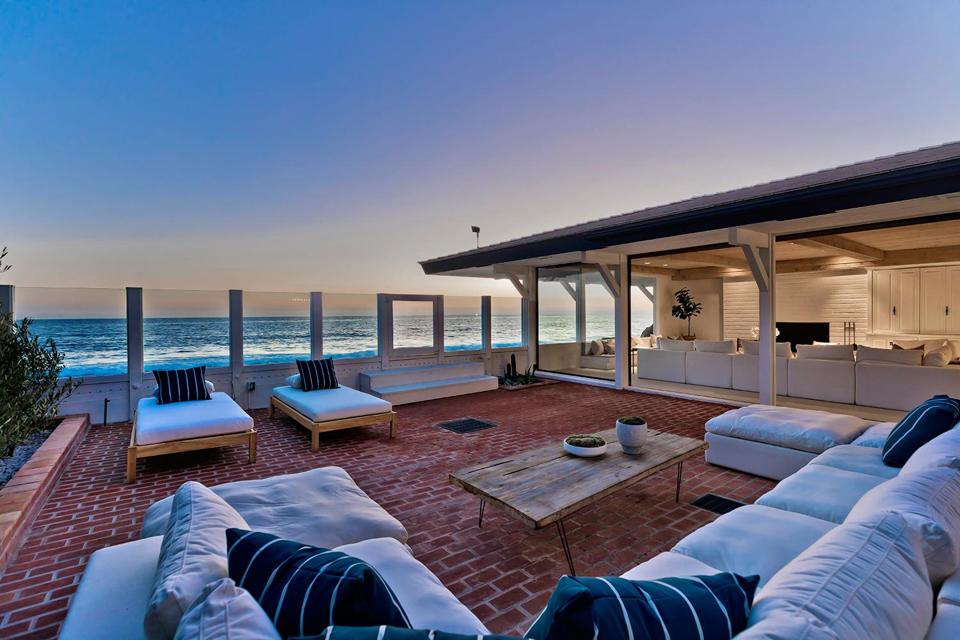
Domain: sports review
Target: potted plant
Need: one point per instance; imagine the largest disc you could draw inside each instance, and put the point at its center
(631, 433)
(585, 445)
(686, 309)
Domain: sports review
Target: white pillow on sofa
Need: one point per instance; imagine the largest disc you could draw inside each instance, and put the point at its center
(942, 451)
(938, 357)
(930, 503)
(895, 356)
(752, 348)
(715, 346)
(861, 580)
(675, 345)
(224, 611)
(193, 553)
(295, 381)
(825, 351)
(596, 347)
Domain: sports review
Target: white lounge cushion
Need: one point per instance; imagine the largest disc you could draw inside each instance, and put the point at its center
(825, 351)
(950, 590)
(942, 451)
(427, 603)
(715, 346)
(860, 580)
(675, 345)
(217, 416)
(224, 611)
(193, 553)
(667, 564)
(752, 348)
(322, 507)
(115, 587)
(930, 502)
(876, 435)
(853, 457)
(820, 491)
(787, 625)
(729, 543)
(332, 404)
(802, 429)
(946, 624)
(896, 356)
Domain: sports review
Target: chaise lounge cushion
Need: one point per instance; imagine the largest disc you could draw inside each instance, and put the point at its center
(223, 611)
(332, 404)
(876, 435)
(852, 457)
(218, 416)
(820, 491)
(322, 507)
(729, 543)
(802, 429)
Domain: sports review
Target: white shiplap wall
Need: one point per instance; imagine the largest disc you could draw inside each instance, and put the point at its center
(801, 297)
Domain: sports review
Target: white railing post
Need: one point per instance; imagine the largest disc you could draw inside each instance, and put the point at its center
(384, 329)
(134, 347)
(621, 312)
(236, 342)
(438, 328)
(531, 333)
(316, 325)
(7, 299)
(486, 331)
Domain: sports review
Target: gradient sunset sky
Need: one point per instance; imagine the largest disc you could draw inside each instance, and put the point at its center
(297, 146)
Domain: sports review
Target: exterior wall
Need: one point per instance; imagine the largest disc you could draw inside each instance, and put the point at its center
(709, 324)
(801, 297)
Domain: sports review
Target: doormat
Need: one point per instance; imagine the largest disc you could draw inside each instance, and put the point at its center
(717, 504)
(466, 425)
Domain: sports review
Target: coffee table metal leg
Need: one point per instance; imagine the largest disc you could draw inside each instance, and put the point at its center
(480, 519)
(566, 546)
(679, 477)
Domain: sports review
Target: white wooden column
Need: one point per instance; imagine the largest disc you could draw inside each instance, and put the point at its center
(134, 348)
(759, 249)
(532, 334)
(316, 325)
(438, 320)
(7, 298)
(384, 329)
(486, 331)
(621, 312)
(236, 342)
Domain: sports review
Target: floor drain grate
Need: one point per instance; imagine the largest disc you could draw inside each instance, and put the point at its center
(466, 425)
(717, 504)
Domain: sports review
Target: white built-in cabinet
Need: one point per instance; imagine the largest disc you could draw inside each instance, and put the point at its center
(923, 300)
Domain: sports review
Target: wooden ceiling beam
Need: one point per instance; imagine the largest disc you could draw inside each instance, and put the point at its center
(843, 246)
(712, 259)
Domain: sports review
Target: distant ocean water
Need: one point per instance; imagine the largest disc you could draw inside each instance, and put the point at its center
(97, 347)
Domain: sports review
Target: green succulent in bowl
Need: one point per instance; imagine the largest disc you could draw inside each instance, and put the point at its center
(631, 420)
(585, 440)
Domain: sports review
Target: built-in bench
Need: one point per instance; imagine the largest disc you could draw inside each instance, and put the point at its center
(415, 384)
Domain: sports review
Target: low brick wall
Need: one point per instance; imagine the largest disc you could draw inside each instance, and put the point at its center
(24, 495)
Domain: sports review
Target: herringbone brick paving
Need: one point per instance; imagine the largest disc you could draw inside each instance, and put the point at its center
(504, 572)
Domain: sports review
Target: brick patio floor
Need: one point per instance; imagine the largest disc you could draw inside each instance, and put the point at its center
(504, 572)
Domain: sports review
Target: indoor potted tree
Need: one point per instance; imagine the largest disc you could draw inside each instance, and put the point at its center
(631, 433)
(686, 309)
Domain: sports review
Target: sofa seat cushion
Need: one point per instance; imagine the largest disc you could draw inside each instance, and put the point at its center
(875, 436)
(950, 590)
(223, 611)
(820, 491)
(942, 451)
(332, 404)
(323, 507)
(115, 587)
(788, 625)
(218, 416)
(668, 564)
(852, 457)
(802, 429)
(946, 624)
(729, 543)
(862, 580)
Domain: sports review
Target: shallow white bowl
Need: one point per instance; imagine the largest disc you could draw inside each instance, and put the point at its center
(584, 452)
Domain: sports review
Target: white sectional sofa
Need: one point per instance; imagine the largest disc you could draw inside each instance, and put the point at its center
(820, 378)
(897, 386)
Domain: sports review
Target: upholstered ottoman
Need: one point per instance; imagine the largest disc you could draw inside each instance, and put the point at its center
(775, 442)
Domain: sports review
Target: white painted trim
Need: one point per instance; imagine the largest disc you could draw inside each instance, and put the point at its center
(621, 313)
(564, 377)
(486, 329)
(609, 281)
(522, 290)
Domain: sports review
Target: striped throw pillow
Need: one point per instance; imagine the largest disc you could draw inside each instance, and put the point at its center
(305, 589)
(317, 374)
(395, 633)
(181, 385)
(705, 607)
(921, 425)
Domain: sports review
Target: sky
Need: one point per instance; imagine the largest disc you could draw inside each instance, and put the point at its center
(297, 146)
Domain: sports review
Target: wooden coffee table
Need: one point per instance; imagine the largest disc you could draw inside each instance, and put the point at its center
(543, 486)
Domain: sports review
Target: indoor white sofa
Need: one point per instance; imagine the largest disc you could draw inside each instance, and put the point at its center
(846, 548)
(898, 386)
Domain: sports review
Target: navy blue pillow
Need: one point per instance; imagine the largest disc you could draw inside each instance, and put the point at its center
(305, 589)
(703, 607)
(317, 374)
(181, 385)
(921, 425)
(393, 633)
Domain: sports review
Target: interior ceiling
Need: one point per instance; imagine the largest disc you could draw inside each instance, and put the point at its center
(928, 242)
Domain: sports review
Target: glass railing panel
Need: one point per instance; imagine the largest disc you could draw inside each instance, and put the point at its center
(88, 326)
(462, 323)
(276, 327)
(349, 325)
(412, 324)
(506, 326)
(185, 329)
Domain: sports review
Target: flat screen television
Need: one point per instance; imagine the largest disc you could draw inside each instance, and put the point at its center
(803, 333)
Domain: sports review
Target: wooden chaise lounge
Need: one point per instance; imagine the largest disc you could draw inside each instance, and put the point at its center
(331, 410)
(188, 426)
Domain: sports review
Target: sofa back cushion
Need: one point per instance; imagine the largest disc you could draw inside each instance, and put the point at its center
(930, 502)
(861, 580)
(715, 346)
(894, 356)
(825, 351)
(923, 345)
(223, 610)
(752, 348)
(938, 357)
(942, 451)
(675, 345)
(922, 424)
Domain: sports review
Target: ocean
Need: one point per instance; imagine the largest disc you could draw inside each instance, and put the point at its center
(98, 347)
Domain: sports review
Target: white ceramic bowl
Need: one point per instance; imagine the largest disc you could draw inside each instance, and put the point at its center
(584, 452)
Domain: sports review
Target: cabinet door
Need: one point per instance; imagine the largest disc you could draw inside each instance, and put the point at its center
(907, 317)
(953, 300)
(933, 300)
(882, 301)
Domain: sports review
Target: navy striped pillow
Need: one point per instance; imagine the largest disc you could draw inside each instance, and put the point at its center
(317, 374)
(304, 589)
(704, 607)
(181, 385)
(393, 633)
(921, 425)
